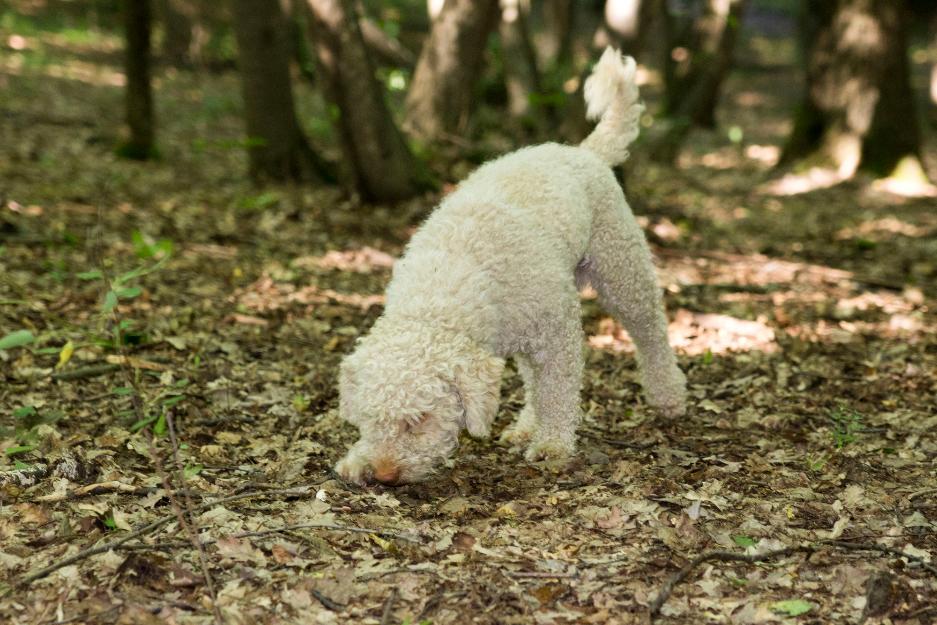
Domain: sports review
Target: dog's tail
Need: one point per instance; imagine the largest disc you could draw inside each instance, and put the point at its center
(612, 98)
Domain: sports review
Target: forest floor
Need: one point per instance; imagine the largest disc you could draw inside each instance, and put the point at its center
(806, 321)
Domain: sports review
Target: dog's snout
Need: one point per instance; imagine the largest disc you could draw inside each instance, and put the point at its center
(386, 472)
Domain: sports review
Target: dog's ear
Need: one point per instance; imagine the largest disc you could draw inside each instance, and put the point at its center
(478, 385)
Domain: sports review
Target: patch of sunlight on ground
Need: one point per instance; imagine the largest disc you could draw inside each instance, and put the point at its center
(363, 260)
(265, 295)
(89, 73)
(695, 334)
(885, 225)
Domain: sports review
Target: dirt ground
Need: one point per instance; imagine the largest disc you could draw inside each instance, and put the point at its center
(805, 318)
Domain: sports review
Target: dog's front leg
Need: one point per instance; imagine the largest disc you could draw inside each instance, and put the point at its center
(557, 378)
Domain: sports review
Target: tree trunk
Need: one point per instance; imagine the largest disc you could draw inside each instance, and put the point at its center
(277, 148)
(178, 19)
(140, 143)
(699, 55)
(521, 75)
(380, 165)
(627, 23)
(933, 73)
(384, 48)
(558, 25)
(699, 66)
(858, 109)
(440, 96)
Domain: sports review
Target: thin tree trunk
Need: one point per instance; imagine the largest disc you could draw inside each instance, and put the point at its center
(700, 67)
(380, 165)
(140, 143)
(440, 96)
(277, 148)
(178, 20)
(521, 76)
(557, 40)
(858, 109)
(385, 49)
(699, 56)
(627, 23)
(933, 73)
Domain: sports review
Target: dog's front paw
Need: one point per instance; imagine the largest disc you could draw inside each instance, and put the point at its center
(515, 437)
(550, 449)
(670, 411)
(667, 394)
(353, 468)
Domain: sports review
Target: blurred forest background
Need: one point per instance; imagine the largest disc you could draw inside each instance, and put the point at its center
(200, 205)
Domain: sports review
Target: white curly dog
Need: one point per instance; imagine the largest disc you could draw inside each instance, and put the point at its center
(494, 273)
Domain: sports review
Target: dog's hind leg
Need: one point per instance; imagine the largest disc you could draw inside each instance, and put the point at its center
(618, 265)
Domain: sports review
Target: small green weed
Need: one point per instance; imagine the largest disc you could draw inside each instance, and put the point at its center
(846, 425)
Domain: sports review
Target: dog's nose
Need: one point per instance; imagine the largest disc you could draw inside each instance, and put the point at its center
(386, 472)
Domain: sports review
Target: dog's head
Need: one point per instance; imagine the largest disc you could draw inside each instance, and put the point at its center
(410, 394)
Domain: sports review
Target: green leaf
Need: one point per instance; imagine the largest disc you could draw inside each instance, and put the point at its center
(192, 470)
(24, 411)
(122, 390)
(110, 301)
(159, 428)
(19, 449)
(257, 202)
(172, 401)
(142, 423)
(129, 292)
(109, 523)
(17, 339)
(792, 607)
(94, 274)
(140, 246)
(744, 541)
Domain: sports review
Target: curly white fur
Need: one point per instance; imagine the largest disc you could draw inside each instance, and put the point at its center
(493, 273)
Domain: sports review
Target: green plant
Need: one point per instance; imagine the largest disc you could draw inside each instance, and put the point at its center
(846, 424)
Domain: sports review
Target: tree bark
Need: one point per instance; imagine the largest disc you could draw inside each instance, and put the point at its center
(440, 96)
(140, 143)
(698, 67)
(933, 73)
(178, 18)
(858, 109)
(277, 147)
(627, 23)
(521, 76)
(385, 49)
(379, 164)
(559, 24)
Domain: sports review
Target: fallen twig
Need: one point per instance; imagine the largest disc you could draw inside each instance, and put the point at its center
(25, 477)
(730, 556)
(721, 556)
(91, 371)
(117, 543)
(185, 512)
(540, 575)
(328, 526)
(843, 544)
(388, 611)
(327, 603)
(100, 488)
